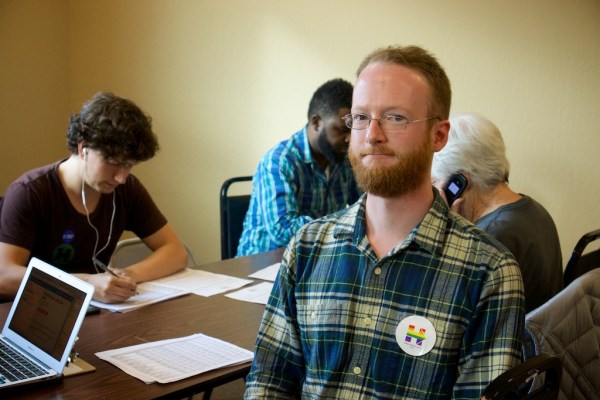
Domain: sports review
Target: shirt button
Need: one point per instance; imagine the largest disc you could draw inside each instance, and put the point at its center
(367, 321)
(313, 316)
(377, 271)
(356, 370)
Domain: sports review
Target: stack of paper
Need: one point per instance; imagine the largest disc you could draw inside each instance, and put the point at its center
(258, 293)
(187, 281)
(174, 359)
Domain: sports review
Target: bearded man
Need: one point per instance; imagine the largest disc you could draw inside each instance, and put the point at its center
(395, 296)
(304, 177)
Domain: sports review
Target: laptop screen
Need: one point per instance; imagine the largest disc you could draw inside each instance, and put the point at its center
(47, 312)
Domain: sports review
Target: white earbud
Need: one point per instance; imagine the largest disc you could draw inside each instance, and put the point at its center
(96, 252)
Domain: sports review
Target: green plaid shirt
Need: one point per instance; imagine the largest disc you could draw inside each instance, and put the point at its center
(329, 328)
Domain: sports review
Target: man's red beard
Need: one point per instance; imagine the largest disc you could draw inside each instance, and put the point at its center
(391, 181)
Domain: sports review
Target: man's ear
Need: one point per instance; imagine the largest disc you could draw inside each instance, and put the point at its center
(440, 132)
(316, 121)
(82, 149)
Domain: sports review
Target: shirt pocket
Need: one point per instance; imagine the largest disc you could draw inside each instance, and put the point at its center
(326, 330)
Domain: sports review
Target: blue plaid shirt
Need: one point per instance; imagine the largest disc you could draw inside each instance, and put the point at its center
(329, 328)
(289, 190)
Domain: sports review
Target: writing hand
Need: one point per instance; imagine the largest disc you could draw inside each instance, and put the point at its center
(113, 287)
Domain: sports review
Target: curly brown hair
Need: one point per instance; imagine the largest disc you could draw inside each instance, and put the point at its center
(114, 126)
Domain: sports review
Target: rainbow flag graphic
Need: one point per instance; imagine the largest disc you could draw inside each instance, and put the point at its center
(413, 334)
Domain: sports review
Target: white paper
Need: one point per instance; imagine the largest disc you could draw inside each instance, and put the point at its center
(203, 283)
(254, 294)
(148, 293)
(267, 274)
(174, 359)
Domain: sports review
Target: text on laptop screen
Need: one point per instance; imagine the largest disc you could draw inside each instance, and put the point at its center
(51, 312)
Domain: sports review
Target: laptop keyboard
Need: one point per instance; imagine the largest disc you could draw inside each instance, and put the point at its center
(14, 367)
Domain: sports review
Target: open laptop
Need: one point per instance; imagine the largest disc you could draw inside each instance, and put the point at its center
(42, 325)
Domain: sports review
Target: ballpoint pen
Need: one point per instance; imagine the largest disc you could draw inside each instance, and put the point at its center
(100, 264)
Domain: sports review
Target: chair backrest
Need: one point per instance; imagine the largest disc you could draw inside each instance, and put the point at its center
(516, 382)
(568, 327)
(580, 263)
(130, 251)
(233, 210)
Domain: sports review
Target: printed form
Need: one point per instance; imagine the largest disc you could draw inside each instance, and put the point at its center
(202, 283)
(258, 293)
(174, 359)
(254, 294)
(199, 282)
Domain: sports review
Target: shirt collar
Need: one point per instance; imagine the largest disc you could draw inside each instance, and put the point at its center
(428, 234)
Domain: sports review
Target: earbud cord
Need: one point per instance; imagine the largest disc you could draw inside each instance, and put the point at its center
(87, 214)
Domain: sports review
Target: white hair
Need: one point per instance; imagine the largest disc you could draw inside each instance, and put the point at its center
(475, 146)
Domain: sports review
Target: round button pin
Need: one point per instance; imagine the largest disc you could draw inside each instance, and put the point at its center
(415, 335)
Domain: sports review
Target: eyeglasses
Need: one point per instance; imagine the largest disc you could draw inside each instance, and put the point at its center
(392, 123)
(116, 163)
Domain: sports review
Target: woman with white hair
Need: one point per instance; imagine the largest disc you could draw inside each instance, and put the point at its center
(476, 149)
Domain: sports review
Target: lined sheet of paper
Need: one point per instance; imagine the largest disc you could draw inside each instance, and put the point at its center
(174, 359)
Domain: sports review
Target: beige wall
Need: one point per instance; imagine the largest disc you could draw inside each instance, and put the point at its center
(225, 80)
(33, 84)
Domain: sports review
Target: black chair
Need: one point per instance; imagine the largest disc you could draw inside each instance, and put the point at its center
(516, 382)
(233, 210)
(580, 263)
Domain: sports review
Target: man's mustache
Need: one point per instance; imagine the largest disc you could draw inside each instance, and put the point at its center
(377, 150)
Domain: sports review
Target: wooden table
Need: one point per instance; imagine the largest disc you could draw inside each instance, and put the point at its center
(231, 320)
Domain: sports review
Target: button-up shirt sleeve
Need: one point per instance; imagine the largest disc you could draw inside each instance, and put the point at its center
(279, 182)
(278, 365)
(290, 190)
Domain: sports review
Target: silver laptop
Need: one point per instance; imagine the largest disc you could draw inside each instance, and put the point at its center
(42, 325)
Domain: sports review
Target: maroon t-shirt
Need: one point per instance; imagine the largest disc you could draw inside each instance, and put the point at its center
(36, 214)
